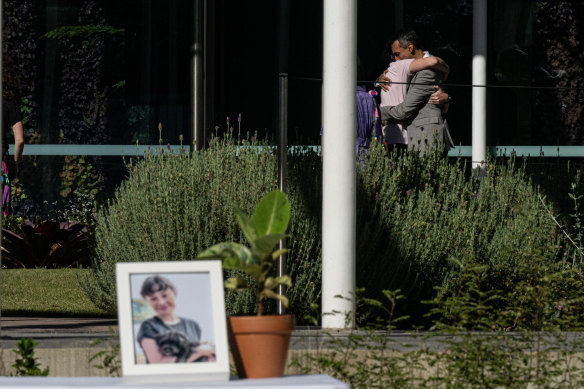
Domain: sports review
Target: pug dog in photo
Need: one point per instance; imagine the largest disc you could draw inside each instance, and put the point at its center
(176, 344)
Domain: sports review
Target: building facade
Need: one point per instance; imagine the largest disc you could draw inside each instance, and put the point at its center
(109, 72)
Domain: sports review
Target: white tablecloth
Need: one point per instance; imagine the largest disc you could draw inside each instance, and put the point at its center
(288, 382)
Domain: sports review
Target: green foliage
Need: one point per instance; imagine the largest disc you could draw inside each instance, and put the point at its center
(79, 176)
(108, 359)
(50, 244)
(27, 110)
(263, 231)
(27, 364)
(363, 358)
(414, 213)
(577, 228)
(513, 338)
(84, 31)
(481, 337)
(78, 184)
(174, 206)
(504, 279)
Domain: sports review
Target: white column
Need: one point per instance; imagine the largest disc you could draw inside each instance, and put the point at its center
(339, 169)
(479, 77)
(197, 64)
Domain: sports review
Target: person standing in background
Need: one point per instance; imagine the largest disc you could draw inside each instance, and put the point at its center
(367, 125)
(426, 128)
(400, 73)
(11, 119)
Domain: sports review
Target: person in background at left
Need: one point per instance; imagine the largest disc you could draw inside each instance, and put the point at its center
(365, 118)
(11, 119)
(368, 125)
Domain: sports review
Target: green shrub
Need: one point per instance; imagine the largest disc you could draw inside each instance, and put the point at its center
(27, 364)
(173, 206)
(481, 337)
(524, 334)
(414, 213)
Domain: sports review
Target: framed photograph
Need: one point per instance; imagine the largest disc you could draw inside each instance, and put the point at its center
(172, 321)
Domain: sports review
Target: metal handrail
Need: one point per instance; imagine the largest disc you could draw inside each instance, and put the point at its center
(139, 150)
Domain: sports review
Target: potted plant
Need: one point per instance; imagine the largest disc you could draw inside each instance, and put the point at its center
(259, 343)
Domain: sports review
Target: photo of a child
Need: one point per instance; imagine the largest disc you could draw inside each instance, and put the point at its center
(168, 325)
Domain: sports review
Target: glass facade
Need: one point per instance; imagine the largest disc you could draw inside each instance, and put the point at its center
(103, 72)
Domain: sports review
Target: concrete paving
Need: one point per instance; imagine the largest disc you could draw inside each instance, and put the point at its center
(17, 326)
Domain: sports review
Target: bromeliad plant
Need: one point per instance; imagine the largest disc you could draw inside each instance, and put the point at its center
(264, 230)
(49, 244)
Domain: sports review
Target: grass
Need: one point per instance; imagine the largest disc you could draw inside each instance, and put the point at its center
(45, 292)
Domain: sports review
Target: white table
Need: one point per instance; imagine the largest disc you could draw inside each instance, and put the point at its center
(288, 382)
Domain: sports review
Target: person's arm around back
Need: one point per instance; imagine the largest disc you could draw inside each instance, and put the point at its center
(417, 96)
(439, 97)
(432, 62)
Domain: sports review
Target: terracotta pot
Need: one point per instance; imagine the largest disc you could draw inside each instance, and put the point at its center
(259, 344)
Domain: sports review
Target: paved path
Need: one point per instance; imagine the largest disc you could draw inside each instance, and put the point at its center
(15, 326)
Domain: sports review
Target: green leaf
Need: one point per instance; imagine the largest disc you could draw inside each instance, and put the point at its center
(236, 283)
(266, 293)
(284, 280)
(254, 270)
(270, 283)
(372, 302)
(265, 244)
(272, 214)
(277, 253)
(234, 255)
(273, 282)
(246, 225)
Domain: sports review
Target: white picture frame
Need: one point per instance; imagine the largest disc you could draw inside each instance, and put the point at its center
(196, 289)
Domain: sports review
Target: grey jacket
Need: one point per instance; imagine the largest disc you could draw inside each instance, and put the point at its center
(426, 127)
